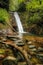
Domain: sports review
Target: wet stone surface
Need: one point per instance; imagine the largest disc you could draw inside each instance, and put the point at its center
(34, 52)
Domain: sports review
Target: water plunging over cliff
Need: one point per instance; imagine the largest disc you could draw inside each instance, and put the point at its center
(18, 22)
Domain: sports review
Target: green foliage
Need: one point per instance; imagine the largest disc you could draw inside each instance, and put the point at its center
(22, 7)
(33, 5)
(14, 4)
(5, 19)
(35, 10)
(4, 16)
(35, 18)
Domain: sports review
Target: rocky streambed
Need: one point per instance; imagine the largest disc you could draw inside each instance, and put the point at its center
(17, 51)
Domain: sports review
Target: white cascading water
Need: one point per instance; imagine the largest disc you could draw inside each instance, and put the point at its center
(18, 22)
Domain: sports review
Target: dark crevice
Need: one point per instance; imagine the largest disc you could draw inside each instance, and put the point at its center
(4, 4)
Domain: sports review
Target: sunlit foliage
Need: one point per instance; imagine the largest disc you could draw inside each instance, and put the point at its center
(4, 16)
(35, 10)
(14, 4)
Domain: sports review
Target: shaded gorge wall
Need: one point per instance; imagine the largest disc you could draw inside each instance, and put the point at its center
(4, 4)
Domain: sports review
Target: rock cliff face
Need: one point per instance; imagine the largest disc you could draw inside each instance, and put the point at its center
(35, 29)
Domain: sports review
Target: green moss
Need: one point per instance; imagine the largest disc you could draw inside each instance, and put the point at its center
(4, 15)
(4, 18)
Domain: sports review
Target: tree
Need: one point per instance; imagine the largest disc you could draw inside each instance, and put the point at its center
(35, 10)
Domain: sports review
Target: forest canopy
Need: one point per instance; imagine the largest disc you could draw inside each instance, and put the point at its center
(35, 12)
(35, 9)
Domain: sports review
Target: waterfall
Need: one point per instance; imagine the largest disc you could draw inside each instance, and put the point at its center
(18, 22)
